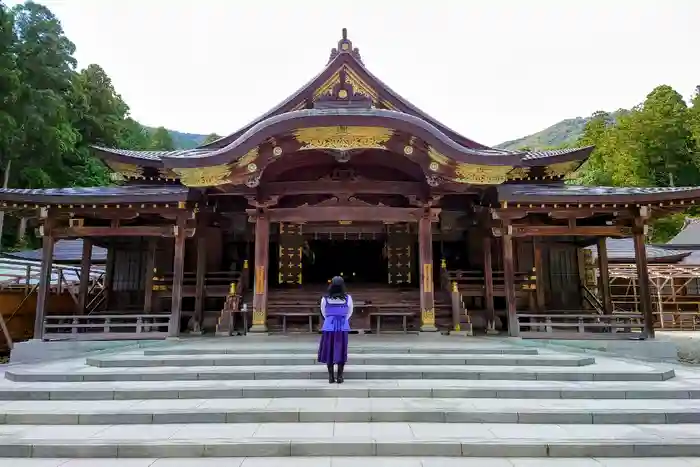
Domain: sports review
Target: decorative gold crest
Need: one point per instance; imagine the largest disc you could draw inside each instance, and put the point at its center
(437, 156)
(249, 157)
(343, 137)
(482, 174)
(204, 176)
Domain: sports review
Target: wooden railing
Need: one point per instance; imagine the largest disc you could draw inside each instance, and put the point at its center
(216, 283)
(473, 283)
(580, 326)
(106, 327)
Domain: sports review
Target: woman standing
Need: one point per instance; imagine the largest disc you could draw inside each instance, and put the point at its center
(336, 308)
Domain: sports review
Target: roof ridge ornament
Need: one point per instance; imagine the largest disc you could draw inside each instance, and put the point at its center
(345, 47)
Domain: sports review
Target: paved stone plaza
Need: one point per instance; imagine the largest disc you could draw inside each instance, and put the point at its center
(408, 401)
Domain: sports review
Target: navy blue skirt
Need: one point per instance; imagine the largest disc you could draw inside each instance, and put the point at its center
(333, 347)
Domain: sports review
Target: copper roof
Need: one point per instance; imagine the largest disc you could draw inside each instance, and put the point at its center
(99, 195)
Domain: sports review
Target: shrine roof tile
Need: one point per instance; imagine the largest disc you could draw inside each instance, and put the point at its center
(621, 250)
(587, 194)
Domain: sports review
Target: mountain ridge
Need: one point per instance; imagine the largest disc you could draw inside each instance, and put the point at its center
(564, 132)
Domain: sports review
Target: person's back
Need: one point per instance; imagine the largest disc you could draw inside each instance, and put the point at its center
(336, 308)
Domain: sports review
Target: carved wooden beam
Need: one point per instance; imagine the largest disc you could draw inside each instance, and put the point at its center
(347, 213)
(133, 231)
(256, 203)
(563, 230)
(359, 187)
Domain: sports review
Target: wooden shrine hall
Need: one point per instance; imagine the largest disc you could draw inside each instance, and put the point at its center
(432, 230)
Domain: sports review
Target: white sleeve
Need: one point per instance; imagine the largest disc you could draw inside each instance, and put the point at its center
(350, 306)
(323, 307)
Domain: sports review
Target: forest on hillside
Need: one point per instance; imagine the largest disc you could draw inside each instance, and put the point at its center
(51, 113)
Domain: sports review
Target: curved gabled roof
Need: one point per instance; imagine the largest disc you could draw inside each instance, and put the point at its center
(347, 56)
(346, 95)
(290, 121)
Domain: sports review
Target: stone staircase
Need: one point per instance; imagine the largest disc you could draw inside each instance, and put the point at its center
(408, 401)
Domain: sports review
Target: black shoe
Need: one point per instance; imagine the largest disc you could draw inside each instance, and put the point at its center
(340, 378)
(331, 376)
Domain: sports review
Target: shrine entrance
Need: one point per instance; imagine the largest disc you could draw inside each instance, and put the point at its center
(358, 261)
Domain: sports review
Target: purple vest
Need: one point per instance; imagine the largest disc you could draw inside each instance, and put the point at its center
(336, 315)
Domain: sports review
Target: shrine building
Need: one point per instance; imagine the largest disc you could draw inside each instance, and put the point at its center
(432, 231)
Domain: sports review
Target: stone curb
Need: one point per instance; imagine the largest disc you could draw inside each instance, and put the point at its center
(358, 447)
(353, 350)
(358, 416)
(355, 373)
(344, 391)
(311, 360)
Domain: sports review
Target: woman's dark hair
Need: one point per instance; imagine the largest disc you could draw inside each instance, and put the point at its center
(337, 288)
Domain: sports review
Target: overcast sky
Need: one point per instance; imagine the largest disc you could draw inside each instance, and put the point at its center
(491, 69)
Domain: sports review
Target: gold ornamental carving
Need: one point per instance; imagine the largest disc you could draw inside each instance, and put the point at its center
(519, 173)
(249, 157)
(561, 169)
(358, 85)
(482, 174)
(437, 157)
(259, 317)
(428, 317)
(125, 170)
(204, 176)
(326, 89)
(167, 173)
(343, 137)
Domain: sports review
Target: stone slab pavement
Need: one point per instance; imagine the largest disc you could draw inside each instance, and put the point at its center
(356, 462)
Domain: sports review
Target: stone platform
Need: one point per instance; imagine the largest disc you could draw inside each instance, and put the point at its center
(408, 401)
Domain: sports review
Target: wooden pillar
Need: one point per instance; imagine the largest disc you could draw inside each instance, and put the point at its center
(44, 289)
(488, 284)
(178, 274)
(509, 282)
(262, 259)
(22, 229)
(425, 255)
(640, 252)
(109, 272)
(538, 265)
(150, 272)
(200, 292)
(605, 275)
(85, 266)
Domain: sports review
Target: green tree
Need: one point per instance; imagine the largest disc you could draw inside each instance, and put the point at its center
(662, 140)
(694, 120)
(46, 68)
(162, 140)
(211, 138)
(134, 136)
(596, 170)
